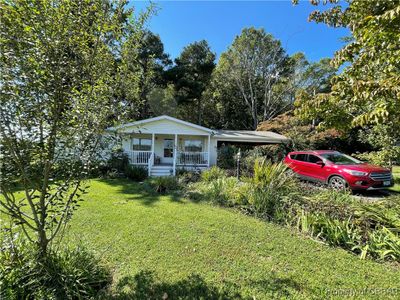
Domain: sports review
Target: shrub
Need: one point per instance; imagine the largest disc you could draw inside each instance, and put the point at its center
(385, 213)
(135, 173)
(164, 184)
(274, 188)
(118, 160)
(343, 233)
(248, 160)
(336, 204)
(273, 153)
(369, 229)
(213, 173)
(68, 274)
(185, 176)
(224, 191)
(382, 244)
(226, 157)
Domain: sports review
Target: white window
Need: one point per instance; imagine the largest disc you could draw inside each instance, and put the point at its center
(140, 144)
(193, 145)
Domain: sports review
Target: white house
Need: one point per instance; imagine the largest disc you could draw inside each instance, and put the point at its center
(163, 144)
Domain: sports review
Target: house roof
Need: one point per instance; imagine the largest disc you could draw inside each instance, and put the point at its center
(220, 135)
(250, 136)
(163, 117)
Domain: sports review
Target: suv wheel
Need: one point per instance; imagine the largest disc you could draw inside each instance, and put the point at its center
(337, 183)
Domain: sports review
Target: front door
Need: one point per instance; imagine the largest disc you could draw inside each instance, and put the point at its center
(168, 155)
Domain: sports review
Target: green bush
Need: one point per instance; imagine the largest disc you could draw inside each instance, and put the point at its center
(164, 184)
(385, 213)
(68, 274)
(369, 229)
(226, 157)
(213, 173)
(336, 204)
(186, 176)
(382, 244)
(135, 173)
(222, 190)
(273, 153)
(343, 233)
(274, 188)
(227, 191)
(118, 160)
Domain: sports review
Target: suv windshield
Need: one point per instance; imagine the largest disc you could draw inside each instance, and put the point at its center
(341, 159)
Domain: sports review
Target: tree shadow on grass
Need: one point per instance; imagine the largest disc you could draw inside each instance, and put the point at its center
(145, 286)
(140, 191)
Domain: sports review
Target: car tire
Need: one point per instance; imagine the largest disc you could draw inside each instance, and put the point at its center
(337, 183)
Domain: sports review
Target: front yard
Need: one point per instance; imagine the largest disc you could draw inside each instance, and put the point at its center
(396, 175)
(159, 246)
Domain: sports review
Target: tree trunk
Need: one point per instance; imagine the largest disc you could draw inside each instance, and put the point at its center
(255, 120)
(42, 242)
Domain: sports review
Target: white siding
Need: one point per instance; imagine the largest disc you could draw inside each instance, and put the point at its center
(126, 144)
(213, 152)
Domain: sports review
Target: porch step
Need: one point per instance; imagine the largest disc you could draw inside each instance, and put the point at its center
(161, 167)
(161, 171)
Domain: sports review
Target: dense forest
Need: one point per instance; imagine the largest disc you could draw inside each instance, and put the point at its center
(253, 81)
(349, 102)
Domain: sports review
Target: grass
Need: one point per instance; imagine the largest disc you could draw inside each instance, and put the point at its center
(165, 245)
(396, 175)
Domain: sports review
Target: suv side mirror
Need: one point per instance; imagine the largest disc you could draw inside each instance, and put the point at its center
(320, 163)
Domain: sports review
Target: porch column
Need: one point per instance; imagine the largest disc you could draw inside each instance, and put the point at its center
(151, 158)
(209, 148)
(152, 143)
(131, 148)
(175, 153)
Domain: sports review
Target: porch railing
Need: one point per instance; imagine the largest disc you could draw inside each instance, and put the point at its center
(139, 157)
(192, 158)
(150, 163)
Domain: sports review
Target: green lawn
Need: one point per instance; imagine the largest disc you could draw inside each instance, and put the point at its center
(396, 175)
(165, 244)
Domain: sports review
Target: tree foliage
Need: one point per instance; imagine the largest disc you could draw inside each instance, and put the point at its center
(191, 75)
(256, 64)
(143, 64)
(367, 91)
(57, 67)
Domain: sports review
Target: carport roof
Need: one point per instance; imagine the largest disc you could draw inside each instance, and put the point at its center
(250, 136)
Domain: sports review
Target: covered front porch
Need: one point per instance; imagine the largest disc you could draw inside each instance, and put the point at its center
(169, 150)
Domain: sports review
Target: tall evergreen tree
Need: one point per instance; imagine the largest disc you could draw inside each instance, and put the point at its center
(191, 76)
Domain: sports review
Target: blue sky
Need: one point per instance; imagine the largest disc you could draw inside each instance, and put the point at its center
(181, 22)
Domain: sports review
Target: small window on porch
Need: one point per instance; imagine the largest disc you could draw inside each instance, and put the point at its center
(140, 144)
(193, 145)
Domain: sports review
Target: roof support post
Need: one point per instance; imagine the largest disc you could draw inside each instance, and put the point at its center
(151, 158)
(175, 153)
(152, 142)
(209, 149)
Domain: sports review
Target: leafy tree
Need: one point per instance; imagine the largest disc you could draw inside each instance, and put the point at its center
(385, 143)
(162, 101)
(304, 136)
(223, 105)
(366, 92)
(191, 76)
(144, 61)
(256, 64)
(57, 76)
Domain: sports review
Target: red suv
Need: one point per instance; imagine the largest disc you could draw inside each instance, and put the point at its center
(338, 170)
